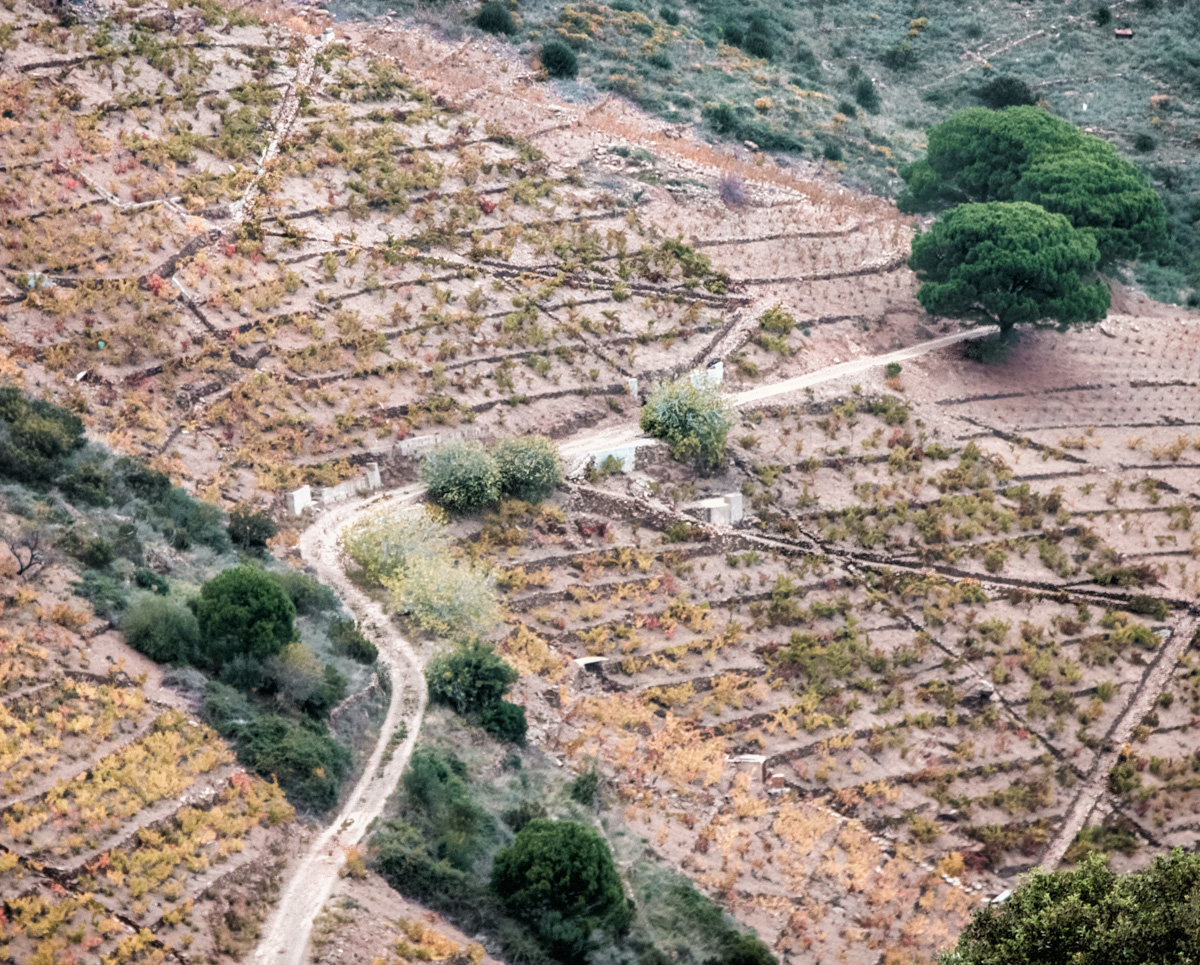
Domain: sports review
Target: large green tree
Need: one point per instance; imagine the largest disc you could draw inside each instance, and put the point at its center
(1091, 916)
(242, 612)
(1009, 263)
(1025, 153)
(559, 877)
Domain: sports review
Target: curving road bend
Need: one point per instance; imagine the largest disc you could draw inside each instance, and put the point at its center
(286, 933)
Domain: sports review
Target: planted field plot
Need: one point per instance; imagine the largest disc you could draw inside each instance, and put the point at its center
(257, 255)
(127, 834)
(919, 666)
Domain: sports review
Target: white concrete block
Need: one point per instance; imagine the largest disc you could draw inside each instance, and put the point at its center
(299, 500)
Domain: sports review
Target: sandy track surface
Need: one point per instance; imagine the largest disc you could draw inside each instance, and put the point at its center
(311, 879)
(575, 451)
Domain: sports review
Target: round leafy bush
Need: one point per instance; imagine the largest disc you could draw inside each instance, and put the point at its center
(163, 629)
(250, 529)
(469, 678)
(1001, 92)
(1144, 142)
(669, 14)
(1091, 916)
(461, 477)
(495, 18)
(243, 611)
(530, 468)
(505, 721)
(87, 484)
(693, 420)
(866, 95)
(559, 877)
(559, 59)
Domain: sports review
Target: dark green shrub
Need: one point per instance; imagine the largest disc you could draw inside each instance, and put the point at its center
(348, 640)
(164, 630)
(559, 59)
(250, 529)
(892, 370)
(405, 859)
(299, 753)
(146, 579)
(186, 521)
(584, 787)
(1001, 92)
(901, 55)
(1144, 142)
(1089, 916)
(495, 18)
(721, 115)
(831, 151)
(759, 39)
(693, 420)
(242, 611)
(138, 479)
(516, 818)
(36, 437)
(865, 94)
(470, 678)
(87, 485)
(308, 594)
(96, 553)
(1102, 16)
(505, 721)
(559, 877)
(740, 949)
(245, 673)
(530, 468)
(777, 321)
(670, 15)
(461, 477)
(439, 804)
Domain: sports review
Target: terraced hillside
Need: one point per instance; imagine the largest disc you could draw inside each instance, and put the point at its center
(127, 832)
(955, 624)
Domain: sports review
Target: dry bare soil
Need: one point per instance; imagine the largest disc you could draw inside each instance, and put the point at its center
(961, 599)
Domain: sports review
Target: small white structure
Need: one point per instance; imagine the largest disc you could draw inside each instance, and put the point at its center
(723, 510)
(713, 376)
(625, 455)
(631, 385)
(298, 500)
(372, 479)
(590, 662)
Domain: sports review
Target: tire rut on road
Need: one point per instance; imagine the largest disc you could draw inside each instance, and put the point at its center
(286, 935)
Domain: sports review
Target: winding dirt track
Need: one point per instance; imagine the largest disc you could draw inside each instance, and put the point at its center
(286, 934)
(575, 451)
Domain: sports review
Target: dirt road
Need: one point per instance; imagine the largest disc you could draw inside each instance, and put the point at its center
(575, 452)
(286, 934)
